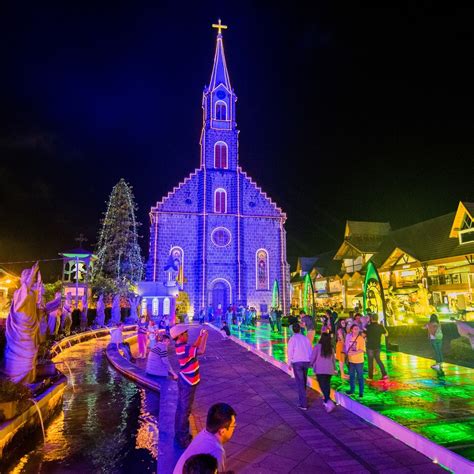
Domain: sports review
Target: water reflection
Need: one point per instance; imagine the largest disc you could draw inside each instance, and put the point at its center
(108, 424)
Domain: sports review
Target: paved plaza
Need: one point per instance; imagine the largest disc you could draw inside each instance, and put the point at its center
(437, 405)
(273, 435)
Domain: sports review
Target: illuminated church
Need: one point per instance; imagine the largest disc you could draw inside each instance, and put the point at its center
(225, 235)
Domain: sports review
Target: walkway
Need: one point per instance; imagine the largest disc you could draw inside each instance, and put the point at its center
(435, 405)
(273, 435)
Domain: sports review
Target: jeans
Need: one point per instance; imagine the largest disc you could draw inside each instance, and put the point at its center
(359, 370)
(278, 323)
(300, 369)
(272, 324)
(186, 394)
(324, 381)
(371, 354)
(438, 349)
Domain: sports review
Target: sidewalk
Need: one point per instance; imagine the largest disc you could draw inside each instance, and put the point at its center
(273, 435)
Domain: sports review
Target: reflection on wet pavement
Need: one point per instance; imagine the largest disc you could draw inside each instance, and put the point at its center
(437, 405)
(108, 424)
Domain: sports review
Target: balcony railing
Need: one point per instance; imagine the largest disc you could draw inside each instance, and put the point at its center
(449, 279)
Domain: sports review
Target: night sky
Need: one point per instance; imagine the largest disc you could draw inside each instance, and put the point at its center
(345, 113)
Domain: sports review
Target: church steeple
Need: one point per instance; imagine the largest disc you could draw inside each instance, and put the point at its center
(219, 75)
(219, 138)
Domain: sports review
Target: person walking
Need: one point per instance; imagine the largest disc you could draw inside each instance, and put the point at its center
(355, 349)
(142, 337)
(220, 426)
(435, 335)
(279, 314)
(299, 354)
(188, 379)
(340, 354)
(374, 333)
(308, 323)
(322, 362)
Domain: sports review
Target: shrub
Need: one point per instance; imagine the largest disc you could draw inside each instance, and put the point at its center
(461, 350)
(10, 391)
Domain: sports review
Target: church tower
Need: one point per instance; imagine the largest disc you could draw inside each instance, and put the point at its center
(225, 234)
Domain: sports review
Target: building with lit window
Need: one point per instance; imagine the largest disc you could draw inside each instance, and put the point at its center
(225, 234)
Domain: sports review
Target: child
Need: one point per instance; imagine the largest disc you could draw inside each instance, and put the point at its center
(225, 331)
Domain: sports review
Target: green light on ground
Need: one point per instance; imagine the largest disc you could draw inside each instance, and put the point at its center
(447, 433)
(409, 414)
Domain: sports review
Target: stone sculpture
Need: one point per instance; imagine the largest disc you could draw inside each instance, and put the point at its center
(66, 317)
(116, 315)
(53, 310)
(84, 309)
(100, 318)
(23, 328)
(466, 331)
(134, 302)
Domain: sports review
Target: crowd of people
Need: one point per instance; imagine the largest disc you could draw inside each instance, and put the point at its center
(344, 342)
(342, 346)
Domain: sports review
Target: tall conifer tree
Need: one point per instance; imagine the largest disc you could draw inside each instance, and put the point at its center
(118, 252)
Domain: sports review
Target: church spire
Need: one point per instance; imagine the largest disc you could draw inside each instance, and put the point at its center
(219, 74)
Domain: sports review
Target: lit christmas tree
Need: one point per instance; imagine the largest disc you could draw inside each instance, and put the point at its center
(119, 256)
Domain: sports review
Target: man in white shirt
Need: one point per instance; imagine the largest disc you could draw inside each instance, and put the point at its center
(299, 355)
(220, 426)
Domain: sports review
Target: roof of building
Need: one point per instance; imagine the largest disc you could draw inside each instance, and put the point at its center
(326, 265)
(366, 228)
(305, 264)
(425, 241)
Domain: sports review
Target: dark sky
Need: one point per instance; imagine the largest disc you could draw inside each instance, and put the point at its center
(344, 112)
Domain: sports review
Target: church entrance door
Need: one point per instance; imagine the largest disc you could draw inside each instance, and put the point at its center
(220, 296)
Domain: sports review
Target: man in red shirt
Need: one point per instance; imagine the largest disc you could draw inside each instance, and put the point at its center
(188, 379)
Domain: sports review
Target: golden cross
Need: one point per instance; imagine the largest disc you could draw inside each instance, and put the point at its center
(219, 27)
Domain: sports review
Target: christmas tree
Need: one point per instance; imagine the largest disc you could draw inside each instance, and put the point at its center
(119, 256)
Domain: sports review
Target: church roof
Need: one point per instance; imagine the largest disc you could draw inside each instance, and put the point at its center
(219, 73)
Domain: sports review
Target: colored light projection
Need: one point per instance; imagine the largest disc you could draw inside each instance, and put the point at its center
(308, 295)
(276, 295)
(436, 405)
(373, 297)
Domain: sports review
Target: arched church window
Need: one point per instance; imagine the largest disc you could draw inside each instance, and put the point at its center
(220, 201)
(220, 155)
(178, 259)
(221, 110)
(261, 269)
(144, 308)
(154, 307)
(166, 306)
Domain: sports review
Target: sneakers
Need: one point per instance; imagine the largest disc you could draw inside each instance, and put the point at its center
(361, 395)
(329, 406)
(436, 367)
(301, 407)
(385, 377)
(369, 379)
(349, 392)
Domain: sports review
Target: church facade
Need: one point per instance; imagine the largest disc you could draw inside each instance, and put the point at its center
(224, 233)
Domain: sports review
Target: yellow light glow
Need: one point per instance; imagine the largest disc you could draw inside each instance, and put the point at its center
(410, 321)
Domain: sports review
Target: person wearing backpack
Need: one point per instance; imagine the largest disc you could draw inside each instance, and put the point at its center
(355, 350)
(435, 335)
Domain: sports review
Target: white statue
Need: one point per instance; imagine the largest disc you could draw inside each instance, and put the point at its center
(84, 309)
(100, 318)
(22, 330)
(116, 315)
(466, 331)
(66, 317)
(53, 310)
(134, 302)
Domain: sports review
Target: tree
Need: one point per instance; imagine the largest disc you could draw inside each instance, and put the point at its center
(119, 255)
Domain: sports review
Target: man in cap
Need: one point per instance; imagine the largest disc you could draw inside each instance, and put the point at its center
(188, 379)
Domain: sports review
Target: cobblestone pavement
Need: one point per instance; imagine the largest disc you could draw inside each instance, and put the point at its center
(273, 435)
